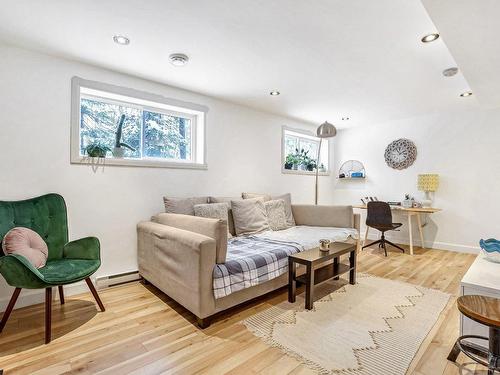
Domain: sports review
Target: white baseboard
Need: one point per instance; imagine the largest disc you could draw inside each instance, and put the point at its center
(429, 244)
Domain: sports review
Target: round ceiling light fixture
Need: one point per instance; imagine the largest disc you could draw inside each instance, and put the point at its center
(121, 40)
(466, 94)
(430, 38)
(450, 72)
(274, 93)
(178, 59)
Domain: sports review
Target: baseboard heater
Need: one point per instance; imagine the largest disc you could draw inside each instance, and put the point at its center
(121, 278)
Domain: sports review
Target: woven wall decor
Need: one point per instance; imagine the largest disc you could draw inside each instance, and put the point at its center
(400, 154)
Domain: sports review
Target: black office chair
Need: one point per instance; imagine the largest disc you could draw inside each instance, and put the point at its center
(379, 216)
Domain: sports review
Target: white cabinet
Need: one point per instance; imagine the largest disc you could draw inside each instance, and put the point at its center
(482, 278)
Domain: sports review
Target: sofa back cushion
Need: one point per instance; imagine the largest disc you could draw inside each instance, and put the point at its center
(183, 206)
(213, 228)
(249, 216)
(323, 216)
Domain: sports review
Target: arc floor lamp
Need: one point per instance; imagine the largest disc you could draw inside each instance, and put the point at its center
(325, 130)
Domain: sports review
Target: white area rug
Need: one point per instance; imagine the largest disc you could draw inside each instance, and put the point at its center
(373, 327)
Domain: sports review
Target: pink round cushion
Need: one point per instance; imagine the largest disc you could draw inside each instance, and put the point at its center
(28, 243)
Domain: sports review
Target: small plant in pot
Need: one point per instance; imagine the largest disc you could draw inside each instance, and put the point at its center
(97, 150)
(291, 161)
(119, 149)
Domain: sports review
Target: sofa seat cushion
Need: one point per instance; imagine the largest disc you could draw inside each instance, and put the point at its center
(65, 271)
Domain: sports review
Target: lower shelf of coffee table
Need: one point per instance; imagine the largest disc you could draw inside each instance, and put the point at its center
(325, 273)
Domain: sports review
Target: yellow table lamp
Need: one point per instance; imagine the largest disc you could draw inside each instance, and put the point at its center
(428, 183)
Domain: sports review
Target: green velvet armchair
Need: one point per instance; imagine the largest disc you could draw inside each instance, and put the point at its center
(67, 262)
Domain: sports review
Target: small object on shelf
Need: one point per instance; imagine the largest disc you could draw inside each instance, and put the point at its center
(324, 245)
(394, 203)
(408, 201)
(352, 169)
(490, 249)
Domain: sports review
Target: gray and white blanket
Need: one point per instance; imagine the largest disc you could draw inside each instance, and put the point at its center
(251, 261)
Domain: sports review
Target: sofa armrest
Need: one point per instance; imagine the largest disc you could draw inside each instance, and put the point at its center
(213, 228)
(323, 216)
(180, 263)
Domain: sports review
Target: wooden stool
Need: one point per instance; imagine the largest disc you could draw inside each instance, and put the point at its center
(484, 310)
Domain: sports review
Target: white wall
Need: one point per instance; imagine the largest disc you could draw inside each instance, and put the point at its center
(463, 148)
(244, 151)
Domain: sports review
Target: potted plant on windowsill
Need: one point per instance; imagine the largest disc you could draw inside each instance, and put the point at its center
(97, 150)
(119, 149)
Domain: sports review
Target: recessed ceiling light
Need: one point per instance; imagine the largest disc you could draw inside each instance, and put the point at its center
(274, 93)
(345, 118)
(178, 59)
(122, 40)
(430, 38)
(466, 94)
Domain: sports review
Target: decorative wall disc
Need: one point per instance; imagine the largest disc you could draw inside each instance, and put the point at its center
(400, 154)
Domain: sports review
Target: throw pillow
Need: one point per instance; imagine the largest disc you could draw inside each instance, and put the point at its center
(230, 219)
(183, 206)
(276, 215)
(249, 216)
(286, 197)
(214, 211)
(28, 243)
(265, 197)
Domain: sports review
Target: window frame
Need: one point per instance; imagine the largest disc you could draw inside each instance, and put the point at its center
(194, 112)
(308, 134)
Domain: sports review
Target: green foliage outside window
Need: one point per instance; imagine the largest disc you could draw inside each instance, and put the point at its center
(150, 134)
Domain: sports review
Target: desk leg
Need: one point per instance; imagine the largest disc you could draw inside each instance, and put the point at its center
(366, 235)
(292, 284)
(310, 287)
(410, 234)
(420, 231)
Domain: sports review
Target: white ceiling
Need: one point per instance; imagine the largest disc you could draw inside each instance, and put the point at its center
(471, 29)
(329, 58)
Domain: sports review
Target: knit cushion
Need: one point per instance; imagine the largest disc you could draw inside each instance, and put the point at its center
(28, 243)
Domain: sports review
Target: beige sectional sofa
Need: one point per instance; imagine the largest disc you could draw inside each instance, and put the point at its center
(177, 253)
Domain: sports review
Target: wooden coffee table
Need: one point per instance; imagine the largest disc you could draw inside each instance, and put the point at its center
(313, 276)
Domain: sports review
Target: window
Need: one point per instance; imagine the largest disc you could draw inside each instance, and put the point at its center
(300, 152)
(129, 127)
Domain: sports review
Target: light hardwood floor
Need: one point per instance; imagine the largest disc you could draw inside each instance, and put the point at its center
(144, 332)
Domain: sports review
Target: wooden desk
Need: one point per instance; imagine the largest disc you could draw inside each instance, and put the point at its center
(410, 212)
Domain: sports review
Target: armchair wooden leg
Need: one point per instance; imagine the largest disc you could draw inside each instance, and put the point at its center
(94, 293)
(48, 314)
(10, 307)
(61, 294)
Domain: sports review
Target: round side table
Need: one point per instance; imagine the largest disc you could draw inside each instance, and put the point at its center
(483, 310)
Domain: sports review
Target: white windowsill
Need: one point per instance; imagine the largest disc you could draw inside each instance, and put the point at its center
(306, 173)
(110, 161)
